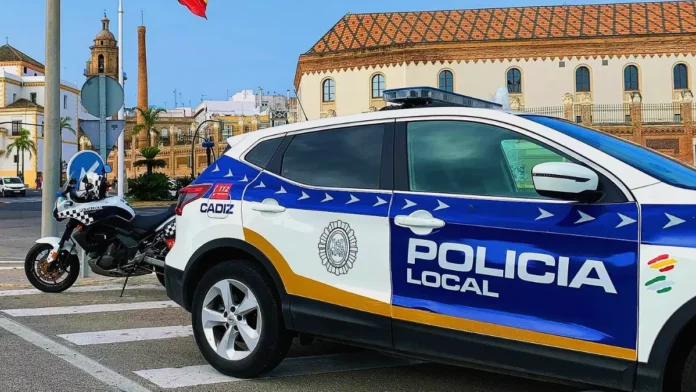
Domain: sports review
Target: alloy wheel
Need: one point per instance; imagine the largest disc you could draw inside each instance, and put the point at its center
(231, 318)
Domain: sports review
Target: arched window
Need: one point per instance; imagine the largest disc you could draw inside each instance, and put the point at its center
(329, 90)
(514, 80)
(446, 81)
(582, 79)
(681, 77)
(101, 63)
(631, 78)
(378, 86)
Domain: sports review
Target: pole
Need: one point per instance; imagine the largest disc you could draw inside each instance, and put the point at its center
(121, 172)
(52, 141)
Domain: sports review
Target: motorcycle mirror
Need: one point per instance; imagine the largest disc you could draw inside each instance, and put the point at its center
(107, 168)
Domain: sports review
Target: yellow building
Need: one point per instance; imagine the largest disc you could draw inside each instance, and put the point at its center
(22, 85)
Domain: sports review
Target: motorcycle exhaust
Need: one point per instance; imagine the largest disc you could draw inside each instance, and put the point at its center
(153, 262)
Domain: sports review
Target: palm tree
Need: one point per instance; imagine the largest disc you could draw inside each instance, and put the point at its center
(21, 144)
(149, 119)
(64, 124)
(149, 154)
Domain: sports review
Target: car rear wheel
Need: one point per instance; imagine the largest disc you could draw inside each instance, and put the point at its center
(237, 320)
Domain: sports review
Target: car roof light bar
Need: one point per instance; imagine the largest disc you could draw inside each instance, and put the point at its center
(418, 97)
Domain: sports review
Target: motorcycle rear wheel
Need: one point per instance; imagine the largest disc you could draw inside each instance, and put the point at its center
(36, 257)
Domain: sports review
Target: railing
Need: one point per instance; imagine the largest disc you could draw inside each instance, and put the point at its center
(552, 111)
(611, 114)
(577, 113)
(661, 113)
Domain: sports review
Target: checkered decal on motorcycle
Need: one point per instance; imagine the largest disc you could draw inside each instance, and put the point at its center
(81, 216)
(170, 230)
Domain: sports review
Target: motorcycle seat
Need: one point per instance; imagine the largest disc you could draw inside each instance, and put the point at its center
(150, 222)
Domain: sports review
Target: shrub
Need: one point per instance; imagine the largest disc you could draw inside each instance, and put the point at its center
(182, 182)
(149, 187)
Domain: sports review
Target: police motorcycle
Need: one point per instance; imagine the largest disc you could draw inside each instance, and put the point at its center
(117, 242)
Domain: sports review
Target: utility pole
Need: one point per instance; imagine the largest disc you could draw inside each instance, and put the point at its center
(52, 142)
(121, 175)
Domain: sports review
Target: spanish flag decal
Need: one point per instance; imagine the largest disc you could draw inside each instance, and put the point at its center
(198, 7)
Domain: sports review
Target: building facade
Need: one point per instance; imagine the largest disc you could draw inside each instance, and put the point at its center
(244, 112)
(22, 100)
(600, 59)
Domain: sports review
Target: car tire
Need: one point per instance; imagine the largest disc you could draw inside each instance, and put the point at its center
(160, 276)
(262, 327)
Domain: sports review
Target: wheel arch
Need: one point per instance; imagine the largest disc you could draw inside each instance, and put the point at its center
(671, 346)
(225, 249)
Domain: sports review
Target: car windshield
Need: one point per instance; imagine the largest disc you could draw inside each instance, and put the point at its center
(12, 180)
(661, 167)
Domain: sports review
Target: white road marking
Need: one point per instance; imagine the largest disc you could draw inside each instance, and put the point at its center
(82, 309)
(202, 375)
(128, 335)
(82, 289)
(11, 268)
(93, 368)
(18, 261)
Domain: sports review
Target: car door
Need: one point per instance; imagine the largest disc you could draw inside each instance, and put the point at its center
(484, 269)
(320, 213)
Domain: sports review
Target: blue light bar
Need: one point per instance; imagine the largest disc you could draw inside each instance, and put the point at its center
(430, 96)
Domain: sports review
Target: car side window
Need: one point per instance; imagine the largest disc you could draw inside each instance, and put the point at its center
(263, 152)
(336, 158)
(471, 158)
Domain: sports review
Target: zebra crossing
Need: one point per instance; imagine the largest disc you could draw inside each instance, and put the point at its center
(75, 326)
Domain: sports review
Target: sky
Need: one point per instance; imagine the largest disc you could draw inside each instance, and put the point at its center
(243, 44)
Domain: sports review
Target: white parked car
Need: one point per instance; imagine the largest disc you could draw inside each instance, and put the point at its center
(462, 235)
(12, 186)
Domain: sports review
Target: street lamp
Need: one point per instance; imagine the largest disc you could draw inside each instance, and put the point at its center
(208, 144)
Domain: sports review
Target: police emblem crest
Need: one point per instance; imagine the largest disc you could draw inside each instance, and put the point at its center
(338, 248)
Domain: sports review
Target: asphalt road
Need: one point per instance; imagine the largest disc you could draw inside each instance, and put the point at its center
(66, 342)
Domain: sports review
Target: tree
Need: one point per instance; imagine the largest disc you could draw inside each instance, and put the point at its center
(22, 144)
(149, 155)
(64, 124)
(149, 119)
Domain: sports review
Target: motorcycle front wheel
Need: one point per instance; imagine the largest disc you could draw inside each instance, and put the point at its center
(50, 277)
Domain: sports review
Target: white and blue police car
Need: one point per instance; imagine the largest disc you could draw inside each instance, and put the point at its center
(448, 230)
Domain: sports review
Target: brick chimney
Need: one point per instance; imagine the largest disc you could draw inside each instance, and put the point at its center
(143, 137)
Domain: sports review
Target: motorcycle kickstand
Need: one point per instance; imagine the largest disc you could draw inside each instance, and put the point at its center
(124, 286)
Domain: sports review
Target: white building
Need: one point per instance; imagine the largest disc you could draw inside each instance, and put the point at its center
(545, 55)
(243, 103)
(22, 100)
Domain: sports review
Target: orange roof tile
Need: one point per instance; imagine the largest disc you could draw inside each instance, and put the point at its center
(366, 31)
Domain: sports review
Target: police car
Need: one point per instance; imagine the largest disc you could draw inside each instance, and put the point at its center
(447, 230)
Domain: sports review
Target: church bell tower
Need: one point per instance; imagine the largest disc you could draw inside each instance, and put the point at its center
(104, 53)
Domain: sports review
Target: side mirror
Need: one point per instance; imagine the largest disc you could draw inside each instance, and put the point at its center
(566, 181)
(107, 169)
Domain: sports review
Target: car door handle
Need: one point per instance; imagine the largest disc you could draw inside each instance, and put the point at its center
(410, 221)
(268, 208)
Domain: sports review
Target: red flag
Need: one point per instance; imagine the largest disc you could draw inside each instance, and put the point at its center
(198, 7)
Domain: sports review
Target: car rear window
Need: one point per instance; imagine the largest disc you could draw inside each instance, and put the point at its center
(263, 152)
(661, 167)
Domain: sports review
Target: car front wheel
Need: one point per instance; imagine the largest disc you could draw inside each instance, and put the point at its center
(237, 320)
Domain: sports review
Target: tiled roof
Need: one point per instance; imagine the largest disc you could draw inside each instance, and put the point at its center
(23, 104)
(10, 54)
(368, 31)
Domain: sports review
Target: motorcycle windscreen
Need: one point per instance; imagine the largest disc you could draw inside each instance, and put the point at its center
(82, 163)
